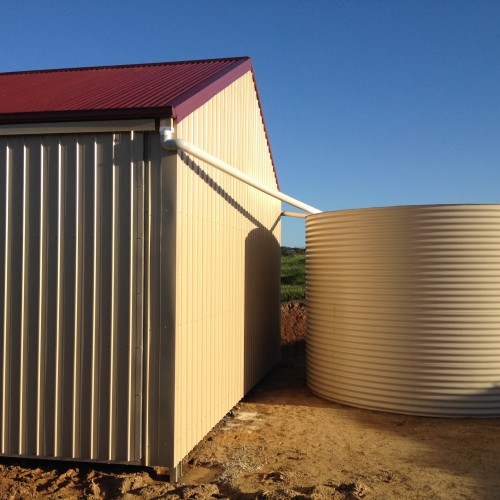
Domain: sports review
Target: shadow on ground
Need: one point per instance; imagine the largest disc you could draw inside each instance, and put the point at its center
(465, 450)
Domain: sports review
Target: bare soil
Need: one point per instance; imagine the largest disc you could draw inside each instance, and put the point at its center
(283, 442)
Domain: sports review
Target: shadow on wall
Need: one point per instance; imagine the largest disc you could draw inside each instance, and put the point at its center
(262, 288)
(262, 304)
(195, 168)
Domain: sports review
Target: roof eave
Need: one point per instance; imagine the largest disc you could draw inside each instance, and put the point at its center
(85, 115)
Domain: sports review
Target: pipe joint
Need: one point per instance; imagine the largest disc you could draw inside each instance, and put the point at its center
(166, 134)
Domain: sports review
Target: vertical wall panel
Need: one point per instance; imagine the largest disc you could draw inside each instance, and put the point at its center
(13, 292)
(71, 267)
(49, 295)
(66, 291)
(134, 349)
(104, 291)
(227, 265)
(154, 394)
(84, 292)
(3, 269)
(31, 285)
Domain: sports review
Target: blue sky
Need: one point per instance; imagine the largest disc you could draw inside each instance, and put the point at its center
(367, 103)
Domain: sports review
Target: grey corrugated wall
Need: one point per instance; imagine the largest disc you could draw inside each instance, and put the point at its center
(71, 287)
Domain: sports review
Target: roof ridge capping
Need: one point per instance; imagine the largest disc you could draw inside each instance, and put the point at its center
(120, 66)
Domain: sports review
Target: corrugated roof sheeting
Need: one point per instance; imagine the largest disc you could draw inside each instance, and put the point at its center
(159, 85)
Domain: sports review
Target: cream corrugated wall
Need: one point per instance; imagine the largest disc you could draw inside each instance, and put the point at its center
(404, 308)
(227, 267)
(71, 264)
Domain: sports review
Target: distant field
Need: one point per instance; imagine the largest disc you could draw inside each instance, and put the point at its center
(293, 277)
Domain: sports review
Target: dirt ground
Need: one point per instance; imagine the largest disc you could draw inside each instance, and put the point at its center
(283, 442)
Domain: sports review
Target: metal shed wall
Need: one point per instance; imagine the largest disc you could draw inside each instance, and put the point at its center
(113, 252)
(71, 311)
(227, 261)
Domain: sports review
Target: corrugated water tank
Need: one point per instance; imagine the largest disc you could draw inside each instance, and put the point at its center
(404, 308)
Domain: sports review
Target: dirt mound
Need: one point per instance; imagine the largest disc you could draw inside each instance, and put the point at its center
(293, 321)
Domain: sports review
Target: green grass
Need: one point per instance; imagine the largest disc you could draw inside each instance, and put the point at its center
(293, 277)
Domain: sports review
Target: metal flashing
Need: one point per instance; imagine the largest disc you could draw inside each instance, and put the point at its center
(138, 125)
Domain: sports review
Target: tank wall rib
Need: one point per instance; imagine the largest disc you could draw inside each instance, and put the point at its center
(404, 308)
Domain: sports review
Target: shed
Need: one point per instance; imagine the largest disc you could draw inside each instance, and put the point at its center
(139, 287)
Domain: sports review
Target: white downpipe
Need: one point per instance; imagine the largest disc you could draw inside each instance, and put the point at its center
(176, 144)
(298, 215)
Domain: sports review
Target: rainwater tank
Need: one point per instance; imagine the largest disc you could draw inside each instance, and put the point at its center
(404, 308)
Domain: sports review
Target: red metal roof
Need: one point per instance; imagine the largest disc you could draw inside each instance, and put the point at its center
(154, 90)
(148, 90)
